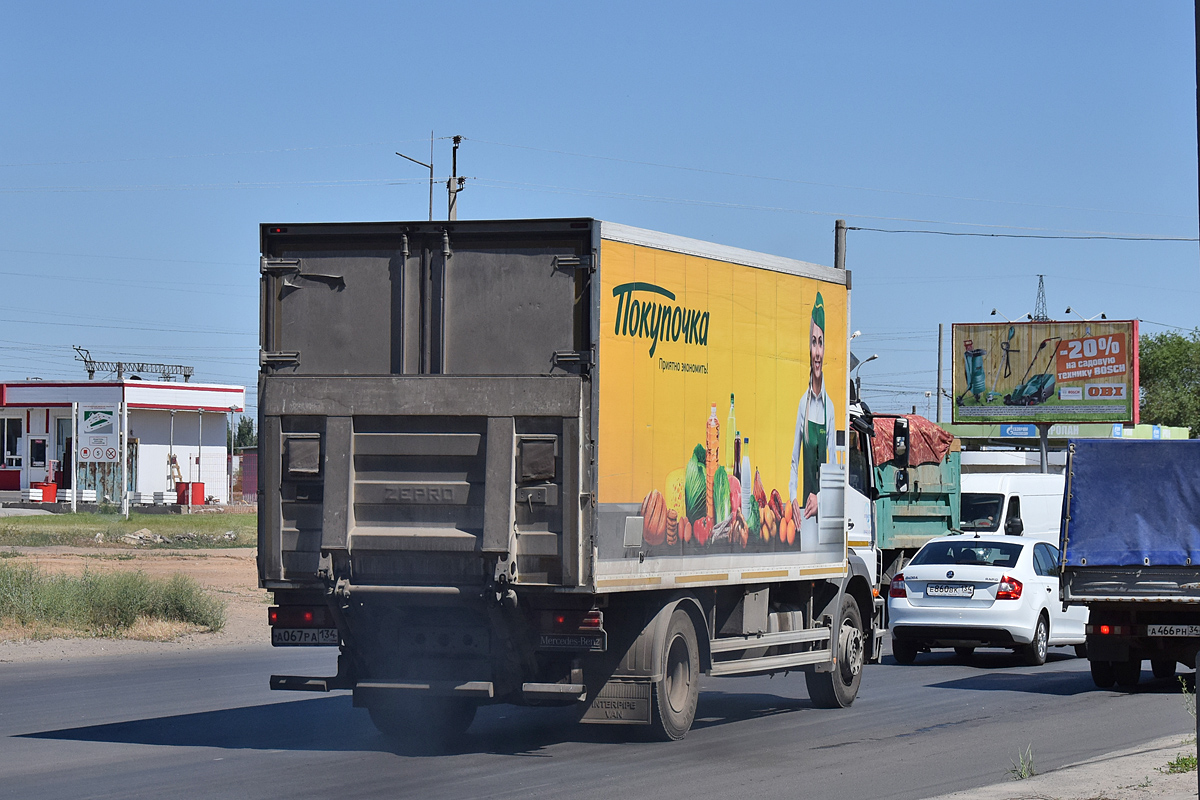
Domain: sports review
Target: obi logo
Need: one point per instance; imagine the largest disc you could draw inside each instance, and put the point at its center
(649, 318)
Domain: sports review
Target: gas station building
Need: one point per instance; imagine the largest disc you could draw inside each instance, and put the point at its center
(176, 433)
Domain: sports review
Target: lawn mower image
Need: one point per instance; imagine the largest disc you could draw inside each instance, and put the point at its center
(1040, 388)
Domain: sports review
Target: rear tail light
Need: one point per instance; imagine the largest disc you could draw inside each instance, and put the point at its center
(1107, 630)
(300, 617)
(575, 620)
(593, 620)
(897, 587)
(1010, 589)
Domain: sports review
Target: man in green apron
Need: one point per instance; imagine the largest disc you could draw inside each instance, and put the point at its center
(815, 421)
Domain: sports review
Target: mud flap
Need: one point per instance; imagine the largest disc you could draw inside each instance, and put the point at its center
(620, 703)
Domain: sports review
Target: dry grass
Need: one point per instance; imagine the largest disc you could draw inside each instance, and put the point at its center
(111, 603)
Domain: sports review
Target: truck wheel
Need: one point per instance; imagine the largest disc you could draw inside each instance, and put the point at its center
(904, 652)
(425, 722)
(1128, 672)
(1081, 650)
(676, 695)
(1163, 668)
(1034, 653)
(837, 689)
(1103, 674)
(964, 653)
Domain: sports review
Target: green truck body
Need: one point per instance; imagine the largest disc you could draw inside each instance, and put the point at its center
(930, 507)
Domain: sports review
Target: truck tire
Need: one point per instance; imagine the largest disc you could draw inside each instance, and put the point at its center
(1128, 672)
(1103, 674)
(904, 652)
(676, 695)
(1034, 653)
(837, 689)
(423, 722)
(1081, 650)
(1163, 668)
(964, 653)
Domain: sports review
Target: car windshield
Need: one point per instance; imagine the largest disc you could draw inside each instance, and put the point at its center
(981, 512)
(969, 551)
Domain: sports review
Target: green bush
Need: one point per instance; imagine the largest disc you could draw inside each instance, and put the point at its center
(103, 601)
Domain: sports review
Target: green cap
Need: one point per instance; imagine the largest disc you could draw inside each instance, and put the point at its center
(818, 315)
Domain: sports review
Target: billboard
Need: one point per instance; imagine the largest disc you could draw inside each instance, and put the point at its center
(722, 406)
(1045, 372)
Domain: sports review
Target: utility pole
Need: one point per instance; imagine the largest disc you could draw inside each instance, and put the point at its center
(839, 244)
(939, 376)
(429, 167)
(454, 184)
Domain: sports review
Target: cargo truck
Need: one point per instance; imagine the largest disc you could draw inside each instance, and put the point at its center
(557, 462)
(1130, 546)
(917, 479)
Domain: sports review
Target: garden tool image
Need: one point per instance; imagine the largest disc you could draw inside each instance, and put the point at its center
(1039, 388)
(1005, 366)
(973, 368)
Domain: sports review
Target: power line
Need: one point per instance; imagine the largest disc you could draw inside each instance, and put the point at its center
(1117, 237)
(780, 179)
(502, 184)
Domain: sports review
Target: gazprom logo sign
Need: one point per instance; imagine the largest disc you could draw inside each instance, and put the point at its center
(1019, 431)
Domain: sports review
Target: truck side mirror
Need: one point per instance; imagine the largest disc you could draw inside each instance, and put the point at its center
(1014, 526)
(900, 441)
(901, 481)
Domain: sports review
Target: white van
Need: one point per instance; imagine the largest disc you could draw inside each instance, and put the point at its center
(1016, 503)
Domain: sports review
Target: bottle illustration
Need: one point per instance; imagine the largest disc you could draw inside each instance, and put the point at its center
(737, 458)
(712, 457)
(730, 452)
(747, 475)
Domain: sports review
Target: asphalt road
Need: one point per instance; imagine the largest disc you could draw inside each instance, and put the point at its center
(203, 724)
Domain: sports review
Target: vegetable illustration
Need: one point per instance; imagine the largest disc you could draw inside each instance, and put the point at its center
(776, 504)
(694, 488)
(759, 493)
(702, 530)
(654, 518)
(672, 527)
(674, 494)
(754, 521)
(721, 498)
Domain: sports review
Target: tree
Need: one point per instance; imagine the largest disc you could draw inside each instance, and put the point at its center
(1170, 379)
(246, 435)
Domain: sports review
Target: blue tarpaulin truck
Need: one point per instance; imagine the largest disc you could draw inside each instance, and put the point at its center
(1130, 543)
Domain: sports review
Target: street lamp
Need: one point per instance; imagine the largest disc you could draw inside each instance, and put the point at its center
(1101, 315)
(1006, 319)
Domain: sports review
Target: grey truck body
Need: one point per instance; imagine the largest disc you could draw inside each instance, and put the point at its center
(428, 480)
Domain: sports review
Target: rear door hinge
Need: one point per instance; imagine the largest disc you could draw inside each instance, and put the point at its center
(581, 357)
(572, 263)
(289, 268)
(279, 358)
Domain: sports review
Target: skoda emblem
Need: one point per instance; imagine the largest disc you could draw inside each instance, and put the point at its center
(949, 573)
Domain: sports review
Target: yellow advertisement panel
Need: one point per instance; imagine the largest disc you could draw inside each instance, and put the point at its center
(722, 404)
(1048, 372)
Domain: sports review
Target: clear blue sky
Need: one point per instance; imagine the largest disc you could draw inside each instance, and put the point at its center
(142, 143)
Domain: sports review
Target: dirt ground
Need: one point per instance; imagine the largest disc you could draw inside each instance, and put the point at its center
(231, 574)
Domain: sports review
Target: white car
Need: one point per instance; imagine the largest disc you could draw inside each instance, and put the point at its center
(982, 590)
